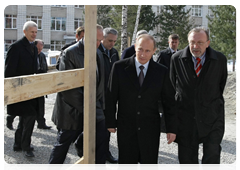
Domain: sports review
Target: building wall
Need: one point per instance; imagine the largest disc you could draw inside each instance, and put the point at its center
(46, 12)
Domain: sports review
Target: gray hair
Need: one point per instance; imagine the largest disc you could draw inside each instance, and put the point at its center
(141, 32)
(99, 27)
(198, 29)
(38, 40)
(109, 30)
(29, 24)
(147, 36)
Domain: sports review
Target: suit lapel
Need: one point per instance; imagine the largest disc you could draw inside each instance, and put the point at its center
(132, 73)
(149, 77)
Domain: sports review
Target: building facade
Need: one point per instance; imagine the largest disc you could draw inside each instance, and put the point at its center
(56, 23)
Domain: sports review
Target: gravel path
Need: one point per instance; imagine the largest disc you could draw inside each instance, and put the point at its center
(43, 141)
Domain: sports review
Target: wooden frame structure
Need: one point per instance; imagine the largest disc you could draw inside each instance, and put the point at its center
(23, 88)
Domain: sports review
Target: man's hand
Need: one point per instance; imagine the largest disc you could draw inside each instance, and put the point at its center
(112, 130)
(171, 137)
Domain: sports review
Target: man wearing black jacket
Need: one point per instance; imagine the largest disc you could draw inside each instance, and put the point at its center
(22, 60)
(68, 108)
(110, 56)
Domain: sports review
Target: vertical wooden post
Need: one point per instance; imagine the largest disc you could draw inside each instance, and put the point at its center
(90, 35)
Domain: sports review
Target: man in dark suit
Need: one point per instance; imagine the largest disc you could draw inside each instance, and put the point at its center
(42, 68)
(110, 56)
(130, 51)
(164, 58)
(79, 35)
(68, 108)
(22, 60)
(198, 74)
(137, 84)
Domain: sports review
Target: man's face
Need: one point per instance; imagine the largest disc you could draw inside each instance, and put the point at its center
(173, 44)
(144, 50)
(198, 43)
(79, 37)
(39, 46)
(109, 41)
(99, 37)
(31, 33)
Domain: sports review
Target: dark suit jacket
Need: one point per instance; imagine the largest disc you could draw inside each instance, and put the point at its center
(128, 52)
(138, 119)
(164, 57)
(21, 61)
(199, 99)
(68, 108)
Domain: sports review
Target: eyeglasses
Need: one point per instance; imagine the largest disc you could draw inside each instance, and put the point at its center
(198, 43)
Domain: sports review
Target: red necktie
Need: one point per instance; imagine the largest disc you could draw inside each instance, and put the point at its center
(198, 67)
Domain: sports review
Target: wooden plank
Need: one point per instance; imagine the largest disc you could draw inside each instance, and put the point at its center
(78, 165)
(23, 88)
(90, 34)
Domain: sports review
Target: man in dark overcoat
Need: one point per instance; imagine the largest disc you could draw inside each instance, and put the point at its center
(21, 60)
(68, 108)
(137, 91)
(164, 58)
(199, 75)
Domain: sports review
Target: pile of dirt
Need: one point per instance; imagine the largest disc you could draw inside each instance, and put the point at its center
(230, 94)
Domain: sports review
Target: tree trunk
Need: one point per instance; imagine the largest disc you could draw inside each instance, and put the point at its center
(136, 25)
(233, 64)
(124, 29)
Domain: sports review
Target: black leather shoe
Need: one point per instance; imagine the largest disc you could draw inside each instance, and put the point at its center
(44, 127)
(111, 159)
(17, 148)
(10, 126)
(28, 154)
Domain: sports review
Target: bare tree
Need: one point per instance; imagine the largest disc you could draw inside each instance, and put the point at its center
(124, 28)
(136, 24)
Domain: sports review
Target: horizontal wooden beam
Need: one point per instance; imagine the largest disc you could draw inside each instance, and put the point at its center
(17, 89)
(77, 165)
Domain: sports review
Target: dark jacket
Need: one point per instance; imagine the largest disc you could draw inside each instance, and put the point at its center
(43, 67)
(128, 52)
(108, 62)
(68, 108)
(21, 61)
(138, 119)
(199, 99)
(164, 57)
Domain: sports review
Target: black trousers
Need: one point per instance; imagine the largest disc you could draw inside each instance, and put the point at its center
(24, 132)
(188, 154)
(66, 137)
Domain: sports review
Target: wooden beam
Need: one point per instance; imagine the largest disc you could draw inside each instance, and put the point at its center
(90, 34)
(77, 165)
(17, 89)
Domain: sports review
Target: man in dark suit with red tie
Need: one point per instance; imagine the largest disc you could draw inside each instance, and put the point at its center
(22, 60)
(137, 84)
(198, 74)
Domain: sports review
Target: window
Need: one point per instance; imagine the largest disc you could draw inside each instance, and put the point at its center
(36, 19)
(59, 5)
(58, 24)
(77, 23)
(197, 10)
(78, 6)
(210, 13)
(57, 45)
(7, 44)
(11, 21)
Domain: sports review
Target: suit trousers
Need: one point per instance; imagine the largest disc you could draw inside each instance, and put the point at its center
(66, 137)
(188, 154)
(24, 132)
